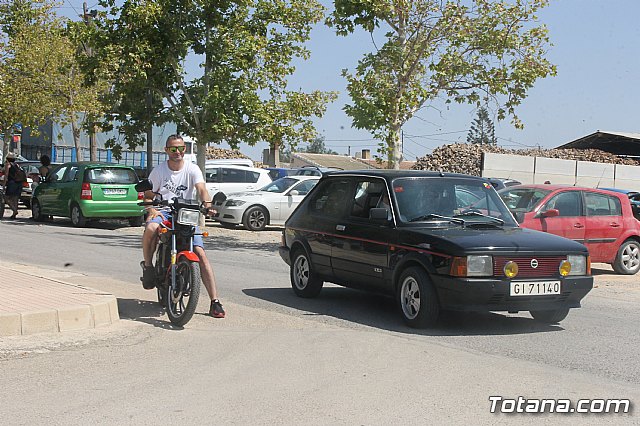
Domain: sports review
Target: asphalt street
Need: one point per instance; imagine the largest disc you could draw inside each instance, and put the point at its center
(343, 358)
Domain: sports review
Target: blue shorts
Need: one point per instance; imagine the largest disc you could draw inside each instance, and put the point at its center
(197, 239)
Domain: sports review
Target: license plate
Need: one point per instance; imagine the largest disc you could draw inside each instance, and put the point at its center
(534, 288)
(114, 191)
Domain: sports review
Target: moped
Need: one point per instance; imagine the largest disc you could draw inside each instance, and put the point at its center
(177, 267)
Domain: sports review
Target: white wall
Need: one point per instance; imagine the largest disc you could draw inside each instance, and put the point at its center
(558, 170)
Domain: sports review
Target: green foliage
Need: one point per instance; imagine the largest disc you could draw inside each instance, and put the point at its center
(482, 130)
(245, 51)
(464, 51)
(41, 67)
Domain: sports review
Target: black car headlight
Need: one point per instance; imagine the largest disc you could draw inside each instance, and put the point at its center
(472, 266)
(578, 265)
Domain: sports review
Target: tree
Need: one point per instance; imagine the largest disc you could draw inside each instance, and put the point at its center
(465, 51)
(482, 131)
(41, 72)
(244, 50)
(24, 70)
(317, 146)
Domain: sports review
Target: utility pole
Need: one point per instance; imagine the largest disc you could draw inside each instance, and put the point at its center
(93, 146)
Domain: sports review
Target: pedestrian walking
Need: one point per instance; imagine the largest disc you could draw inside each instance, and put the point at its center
(12, 183)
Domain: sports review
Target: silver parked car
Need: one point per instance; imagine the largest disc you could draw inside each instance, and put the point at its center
(270, 205)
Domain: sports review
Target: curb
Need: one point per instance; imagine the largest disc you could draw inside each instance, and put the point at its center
(34, 304)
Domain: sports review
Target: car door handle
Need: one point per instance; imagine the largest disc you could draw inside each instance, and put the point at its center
(340, 227)
(578, 225)
(614, 225)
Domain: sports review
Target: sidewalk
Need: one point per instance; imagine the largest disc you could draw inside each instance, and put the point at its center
(34, 301)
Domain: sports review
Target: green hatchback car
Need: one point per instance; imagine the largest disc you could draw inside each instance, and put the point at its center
(86, 191)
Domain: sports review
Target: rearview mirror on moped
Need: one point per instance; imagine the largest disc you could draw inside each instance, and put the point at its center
(144, 185)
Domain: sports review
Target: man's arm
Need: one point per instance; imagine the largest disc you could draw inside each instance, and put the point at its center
(203, 195)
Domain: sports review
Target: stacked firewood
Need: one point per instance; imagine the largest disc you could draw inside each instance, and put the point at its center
(214, 153)
(467, 158)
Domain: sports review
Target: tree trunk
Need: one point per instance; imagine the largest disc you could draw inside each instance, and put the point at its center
(76, 136)
(395, 155)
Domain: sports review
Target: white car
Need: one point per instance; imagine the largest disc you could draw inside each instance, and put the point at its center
(233, 178)
(270, 205)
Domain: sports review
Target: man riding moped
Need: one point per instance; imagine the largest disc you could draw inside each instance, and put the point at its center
(177, 178)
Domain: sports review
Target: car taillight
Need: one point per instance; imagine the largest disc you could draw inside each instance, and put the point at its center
(140, 195)
(86, 191)
(25, 184)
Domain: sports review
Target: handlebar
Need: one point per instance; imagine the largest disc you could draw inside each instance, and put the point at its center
(170, 203)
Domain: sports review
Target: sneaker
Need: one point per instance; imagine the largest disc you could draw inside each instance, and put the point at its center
(216, 310)
(148, 276)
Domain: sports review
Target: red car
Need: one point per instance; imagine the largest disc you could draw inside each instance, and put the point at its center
(601, 220)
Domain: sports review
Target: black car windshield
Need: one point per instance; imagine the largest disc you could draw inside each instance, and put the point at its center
(523, 199)
(279, 185)
(450, 200)
(111, 175)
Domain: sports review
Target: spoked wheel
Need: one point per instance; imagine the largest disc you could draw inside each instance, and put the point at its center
(77, 218)
(36, 211)
(255, 219)
(417, 298)
(183, 295)
(303, 280)
(627, 261)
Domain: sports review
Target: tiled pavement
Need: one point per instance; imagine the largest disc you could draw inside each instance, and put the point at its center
(33, 303)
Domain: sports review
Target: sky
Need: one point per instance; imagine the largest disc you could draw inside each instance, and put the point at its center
(596, 48)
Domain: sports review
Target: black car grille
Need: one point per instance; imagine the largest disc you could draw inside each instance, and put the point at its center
(547, 266)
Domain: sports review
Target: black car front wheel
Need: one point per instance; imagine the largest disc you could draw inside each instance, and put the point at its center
(303, 281)
(417, 298)
(550, 317)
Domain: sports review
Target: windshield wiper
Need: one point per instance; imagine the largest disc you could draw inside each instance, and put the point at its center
(477, 213)
(437, 216)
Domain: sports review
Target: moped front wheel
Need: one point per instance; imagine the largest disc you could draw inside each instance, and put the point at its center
(183, 293)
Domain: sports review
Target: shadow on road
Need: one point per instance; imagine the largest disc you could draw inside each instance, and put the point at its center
(239, 244)
(61, 222)
(381, 312)
(145, 311)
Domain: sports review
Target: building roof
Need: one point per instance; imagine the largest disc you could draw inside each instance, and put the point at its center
(404, 165)
(344, 162)
(618, 143)
(334, 161)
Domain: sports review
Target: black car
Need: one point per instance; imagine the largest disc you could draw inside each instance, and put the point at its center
(434, 241)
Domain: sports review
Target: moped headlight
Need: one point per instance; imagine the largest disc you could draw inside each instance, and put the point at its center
(188, 217)
(579, 264)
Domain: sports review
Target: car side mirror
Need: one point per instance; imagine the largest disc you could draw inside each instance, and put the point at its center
(144, 185)
(294, 192)
(379, 215)
(550, 213)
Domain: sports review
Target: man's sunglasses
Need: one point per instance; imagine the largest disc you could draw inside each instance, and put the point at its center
(174, 149)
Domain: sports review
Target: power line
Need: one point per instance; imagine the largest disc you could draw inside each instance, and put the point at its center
(438, 134)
